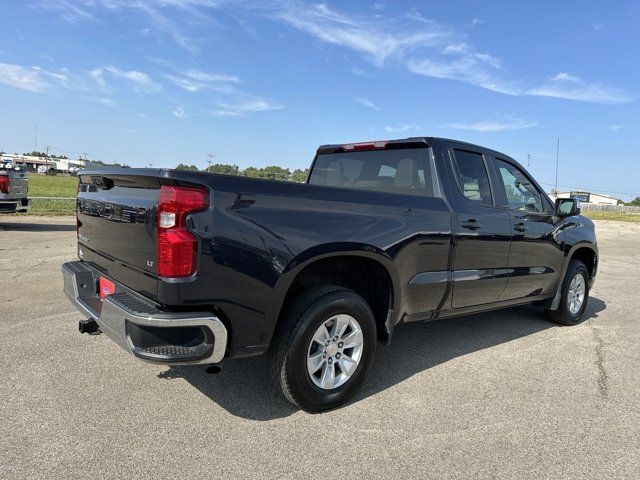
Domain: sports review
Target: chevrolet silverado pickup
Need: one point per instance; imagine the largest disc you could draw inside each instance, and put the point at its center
(192, 268)
(14, 187)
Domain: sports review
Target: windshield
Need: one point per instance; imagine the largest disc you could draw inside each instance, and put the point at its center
(398, 171)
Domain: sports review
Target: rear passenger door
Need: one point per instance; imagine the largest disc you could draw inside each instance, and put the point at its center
(536, 257)
(482, 231)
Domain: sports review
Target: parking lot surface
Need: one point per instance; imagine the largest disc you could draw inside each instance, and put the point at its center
(499, 395)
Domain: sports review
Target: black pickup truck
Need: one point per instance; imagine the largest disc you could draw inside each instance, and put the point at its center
(190, 268)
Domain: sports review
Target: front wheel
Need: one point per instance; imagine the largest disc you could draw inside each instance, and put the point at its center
(325, 348)
(574, 295)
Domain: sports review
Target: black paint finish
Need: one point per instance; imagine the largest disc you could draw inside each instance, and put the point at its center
(258, 235)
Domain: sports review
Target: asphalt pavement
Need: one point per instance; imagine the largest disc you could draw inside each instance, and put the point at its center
(500, 395)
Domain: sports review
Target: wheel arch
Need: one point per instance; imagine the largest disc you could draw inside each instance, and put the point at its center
(333, 255)
(581, 251)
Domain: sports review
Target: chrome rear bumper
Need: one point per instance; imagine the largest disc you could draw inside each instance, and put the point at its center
(140, 327)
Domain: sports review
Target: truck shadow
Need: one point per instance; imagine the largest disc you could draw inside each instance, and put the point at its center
(244, 389)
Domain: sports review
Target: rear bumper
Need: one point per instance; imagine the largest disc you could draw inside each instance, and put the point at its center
(14, 205)
(140, 327)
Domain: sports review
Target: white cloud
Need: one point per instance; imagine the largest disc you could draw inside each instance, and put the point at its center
(68, 10)
(615, 128)
(428, 48)
(460, 47)
(572, 87)
(25, 78)
(97, 74)
(142, 83)
(376, 40)
(107, 102)
(423, 46)
(493, 125)
(365, 102)
(211, 77)
(476, 69)
(243, 107)
(400, 128)
(179, 112)
(168, 17)
(196, 80)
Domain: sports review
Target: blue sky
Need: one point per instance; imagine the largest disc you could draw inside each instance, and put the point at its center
(266, 82)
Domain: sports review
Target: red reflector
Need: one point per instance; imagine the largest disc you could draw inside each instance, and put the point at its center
(105, 287)
(177, 251)
(377, 145)
(177, 247)
(5, 182)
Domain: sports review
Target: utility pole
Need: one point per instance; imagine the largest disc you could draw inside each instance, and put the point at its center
(557, 161)
(35, 142)
(47, 155)
(528, 160)
(210, 155)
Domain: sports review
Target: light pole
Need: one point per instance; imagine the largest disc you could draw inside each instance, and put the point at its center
(557, 161)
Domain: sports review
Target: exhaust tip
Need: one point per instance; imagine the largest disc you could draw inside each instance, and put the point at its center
(89, 326)
(213, 369)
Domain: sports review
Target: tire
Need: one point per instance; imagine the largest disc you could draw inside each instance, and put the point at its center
(297, 341)
(566, 314)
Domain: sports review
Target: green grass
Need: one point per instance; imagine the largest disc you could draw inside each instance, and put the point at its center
(52, 186)
(620, 217)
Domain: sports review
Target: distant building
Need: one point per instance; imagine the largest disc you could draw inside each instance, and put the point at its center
(586, 197)
(43, 163)
(68, 165)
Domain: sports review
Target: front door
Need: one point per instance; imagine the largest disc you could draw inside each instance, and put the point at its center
(535, 262)
(482, 233)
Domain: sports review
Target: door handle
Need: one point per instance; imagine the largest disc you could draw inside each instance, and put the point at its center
(520, 227)
(471, 224)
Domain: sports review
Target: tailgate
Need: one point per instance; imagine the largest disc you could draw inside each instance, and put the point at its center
(15, 184)
(19, 184)
(116, 225)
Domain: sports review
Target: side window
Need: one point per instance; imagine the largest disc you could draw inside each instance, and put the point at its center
(474, 179)
(521, 193)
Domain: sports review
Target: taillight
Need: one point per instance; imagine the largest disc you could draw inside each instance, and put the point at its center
(177, 247)
(5, 183)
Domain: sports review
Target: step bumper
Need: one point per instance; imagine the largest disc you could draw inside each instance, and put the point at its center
(140, 327)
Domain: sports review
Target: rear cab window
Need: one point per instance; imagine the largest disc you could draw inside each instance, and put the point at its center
(405, 170)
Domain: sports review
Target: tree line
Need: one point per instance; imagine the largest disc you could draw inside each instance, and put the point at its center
(268, 173)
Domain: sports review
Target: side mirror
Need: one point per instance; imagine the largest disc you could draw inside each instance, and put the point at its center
(566, 207)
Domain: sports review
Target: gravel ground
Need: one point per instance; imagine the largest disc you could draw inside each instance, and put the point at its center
(504, 394)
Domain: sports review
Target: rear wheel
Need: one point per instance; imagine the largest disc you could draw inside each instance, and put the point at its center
(325, 348)
(574, 295)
